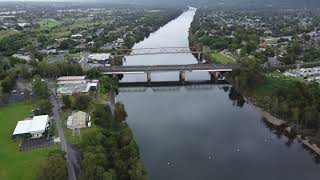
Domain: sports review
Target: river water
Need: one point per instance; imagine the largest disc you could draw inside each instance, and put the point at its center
(201, 132)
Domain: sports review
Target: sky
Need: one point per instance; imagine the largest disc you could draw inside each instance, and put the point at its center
(275, 3)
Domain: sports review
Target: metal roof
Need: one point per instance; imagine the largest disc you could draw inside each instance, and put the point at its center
(36, 124)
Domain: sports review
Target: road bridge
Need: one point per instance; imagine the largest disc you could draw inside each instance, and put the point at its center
(161, 50)
(215, 70)
(131, 87)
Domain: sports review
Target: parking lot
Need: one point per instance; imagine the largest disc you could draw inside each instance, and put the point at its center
(30, 144)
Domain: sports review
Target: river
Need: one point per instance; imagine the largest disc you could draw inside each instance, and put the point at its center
(201, 132)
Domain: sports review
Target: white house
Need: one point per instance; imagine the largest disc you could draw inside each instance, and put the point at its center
(35, 126)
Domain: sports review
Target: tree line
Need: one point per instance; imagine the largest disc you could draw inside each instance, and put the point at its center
(110, 152)
(296, 102)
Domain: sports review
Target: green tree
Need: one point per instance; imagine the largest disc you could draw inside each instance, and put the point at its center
(81, 102)
(54, 168)
(93, 73)
(7, 84)
(66, 101)
(120, 113)
(43, 107)
(102, 116)
(40, 87)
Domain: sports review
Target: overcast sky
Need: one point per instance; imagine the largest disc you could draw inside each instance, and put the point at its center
(275, 3)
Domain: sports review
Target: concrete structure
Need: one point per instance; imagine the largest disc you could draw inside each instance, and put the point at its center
(215, 70)
(34, 127)
(102, 58)
(161, 50)
(23, 57)
(79, 120)
(69, 85)
(76, 36)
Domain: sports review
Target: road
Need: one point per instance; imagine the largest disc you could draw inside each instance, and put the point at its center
(167, 68)
(70, 155)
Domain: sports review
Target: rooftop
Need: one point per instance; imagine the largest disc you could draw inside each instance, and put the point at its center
(36, 124)
(71, 78)
(99, 57)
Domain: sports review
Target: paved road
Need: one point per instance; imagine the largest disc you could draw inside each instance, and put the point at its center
(70, 155)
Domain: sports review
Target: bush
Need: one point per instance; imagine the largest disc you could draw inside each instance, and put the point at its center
(44, 107)
(54, 168)
(81, 102)
(66, 101)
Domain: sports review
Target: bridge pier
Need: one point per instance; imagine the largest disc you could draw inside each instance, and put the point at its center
(215, 75)
(199, 56)
(182, 76)
(148, 76)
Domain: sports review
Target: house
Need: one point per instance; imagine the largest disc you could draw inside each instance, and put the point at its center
(22, 57)
(101, 58)
(35, 127)
(272, 61)
(76, 36)
(79, 120)
(69, 85)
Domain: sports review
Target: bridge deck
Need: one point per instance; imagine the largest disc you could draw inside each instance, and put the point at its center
(167, 68)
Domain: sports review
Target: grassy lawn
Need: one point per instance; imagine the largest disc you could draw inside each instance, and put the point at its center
(7, 33)
(48, 24)
(16, 165)
(221, 58)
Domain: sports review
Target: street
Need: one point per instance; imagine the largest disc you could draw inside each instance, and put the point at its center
(70, 155)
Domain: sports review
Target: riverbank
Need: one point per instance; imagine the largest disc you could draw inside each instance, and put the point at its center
(268, 117)
(285, 128)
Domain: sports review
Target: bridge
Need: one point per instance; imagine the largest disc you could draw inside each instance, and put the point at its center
(160, 50)
(127, 87)
(215, 70)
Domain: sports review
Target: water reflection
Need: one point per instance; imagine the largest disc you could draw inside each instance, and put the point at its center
(186, 126)
(236, 97)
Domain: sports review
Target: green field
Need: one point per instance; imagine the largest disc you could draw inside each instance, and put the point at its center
(15, 165)
(48, 24)
(221, 58)
(7, 33)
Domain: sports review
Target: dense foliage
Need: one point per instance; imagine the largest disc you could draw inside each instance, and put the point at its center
(107, 83)
(40, 87)
(54, 168)
(53, 70)
(110, 152)
(294, 101)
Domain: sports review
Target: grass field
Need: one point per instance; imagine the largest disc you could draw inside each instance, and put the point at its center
(7, 33)
(48, 24)
(221, 58)
(16, 165)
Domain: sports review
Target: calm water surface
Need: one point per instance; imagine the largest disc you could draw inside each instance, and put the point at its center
(189, 133)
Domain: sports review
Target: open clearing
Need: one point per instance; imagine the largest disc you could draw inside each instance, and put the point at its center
(15, 165)
(221, 58)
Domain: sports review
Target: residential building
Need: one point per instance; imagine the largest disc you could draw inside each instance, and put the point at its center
(78, 120)
(69, 85)
(34, 127)
(101, 58)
